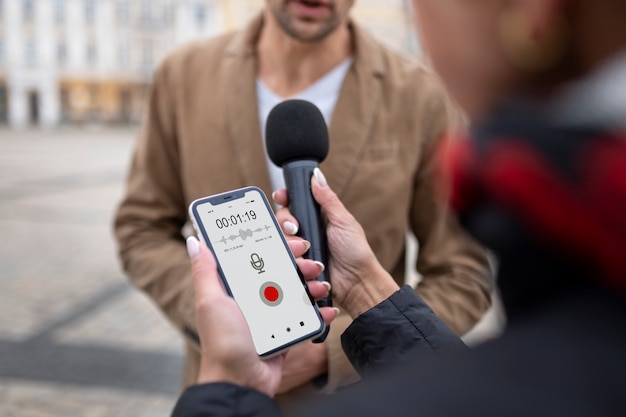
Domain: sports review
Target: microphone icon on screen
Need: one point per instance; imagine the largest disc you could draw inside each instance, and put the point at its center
(257, 262)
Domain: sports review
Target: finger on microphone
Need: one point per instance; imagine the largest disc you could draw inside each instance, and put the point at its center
(326, 198)
(329, 314)
(290, 228)
(298, 246)
(281, 197)
(287, 221)
(318, 289)
(320, 177)
(310, 269)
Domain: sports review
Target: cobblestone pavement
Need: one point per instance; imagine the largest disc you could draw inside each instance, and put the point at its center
(75, 338)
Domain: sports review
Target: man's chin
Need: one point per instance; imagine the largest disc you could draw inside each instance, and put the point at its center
(309, 31)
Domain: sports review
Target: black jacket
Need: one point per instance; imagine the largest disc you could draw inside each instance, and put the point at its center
(550, 201)
(567, 357)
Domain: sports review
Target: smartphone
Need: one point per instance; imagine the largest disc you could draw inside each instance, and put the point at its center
(257, 268)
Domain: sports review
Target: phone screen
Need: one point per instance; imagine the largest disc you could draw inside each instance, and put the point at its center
(258, 268)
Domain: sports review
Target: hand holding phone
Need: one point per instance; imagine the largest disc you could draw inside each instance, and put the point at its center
(257, 268)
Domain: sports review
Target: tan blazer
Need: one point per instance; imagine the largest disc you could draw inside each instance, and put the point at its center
(202, 136)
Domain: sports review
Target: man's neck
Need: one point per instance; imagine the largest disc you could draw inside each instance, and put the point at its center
(288, 66)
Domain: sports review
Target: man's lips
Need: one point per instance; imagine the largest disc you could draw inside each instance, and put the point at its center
(311, 9)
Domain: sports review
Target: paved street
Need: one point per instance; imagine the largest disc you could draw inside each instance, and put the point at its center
(75, 338)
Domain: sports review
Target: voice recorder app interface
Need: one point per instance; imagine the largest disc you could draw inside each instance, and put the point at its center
(258, 269)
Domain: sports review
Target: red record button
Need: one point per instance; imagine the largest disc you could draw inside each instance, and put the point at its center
(271, 293)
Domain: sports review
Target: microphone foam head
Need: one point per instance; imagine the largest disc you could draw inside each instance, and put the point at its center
(296, 130)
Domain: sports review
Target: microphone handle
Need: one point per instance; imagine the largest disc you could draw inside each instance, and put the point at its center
(304, 208)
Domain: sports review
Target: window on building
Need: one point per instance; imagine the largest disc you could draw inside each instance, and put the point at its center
(146, 13)
(90, 11)
(28, 10)
(61, 54)
(168, 14)
(147, 56)
(59, 10)
(200, 15)
(31, 52)
(94, 95)
(123, 12)
(65, 104)
(123, 56)
(91, 54)
(4, 105)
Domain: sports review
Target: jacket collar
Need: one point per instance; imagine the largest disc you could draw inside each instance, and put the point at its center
(351, 123)
(244, 44)
(244, 41)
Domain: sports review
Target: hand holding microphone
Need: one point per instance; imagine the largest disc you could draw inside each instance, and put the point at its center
(359, 281)
(297, 140)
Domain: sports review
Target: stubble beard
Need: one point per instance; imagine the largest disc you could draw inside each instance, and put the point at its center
(288, 25)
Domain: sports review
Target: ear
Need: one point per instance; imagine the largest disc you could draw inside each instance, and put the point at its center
(534, 33)
(542, 16)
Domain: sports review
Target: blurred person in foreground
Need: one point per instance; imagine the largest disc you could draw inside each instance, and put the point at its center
(542, 182)
(203, 135)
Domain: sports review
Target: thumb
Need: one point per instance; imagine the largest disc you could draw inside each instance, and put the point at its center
(206, 280)
(333, 208)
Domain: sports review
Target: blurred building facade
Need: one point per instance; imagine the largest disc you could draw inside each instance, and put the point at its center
(90, 61)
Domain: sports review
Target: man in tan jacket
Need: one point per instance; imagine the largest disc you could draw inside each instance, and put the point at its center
(203, 135)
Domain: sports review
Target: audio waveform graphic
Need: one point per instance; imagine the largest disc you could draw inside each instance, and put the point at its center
(244, 234)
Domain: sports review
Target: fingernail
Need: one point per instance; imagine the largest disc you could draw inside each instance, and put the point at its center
(337, 310)
(290, 228)
(274, 196)
(326, 284)
(319, 176)
(307, 245)
(322, 267)
(193, 247)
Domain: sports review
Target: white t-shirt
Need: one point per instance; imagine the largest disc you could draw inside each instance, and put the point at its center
(323, 93)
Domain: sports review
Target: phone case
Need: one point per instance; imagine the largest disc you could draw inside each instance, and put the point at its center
(257, 268)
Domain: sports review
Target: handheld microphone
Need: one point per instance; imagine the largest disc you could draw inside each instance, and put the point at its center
(297, 140)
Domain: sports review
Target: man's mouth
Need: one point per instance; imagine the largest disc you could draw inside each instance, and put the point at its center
(311, 8)
(312, 3)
